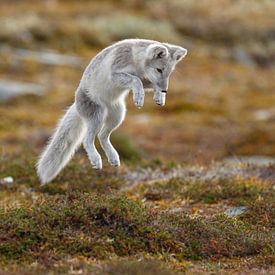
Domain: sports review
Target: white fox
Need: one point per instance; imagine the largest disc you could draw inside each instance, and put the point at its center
(99, 107)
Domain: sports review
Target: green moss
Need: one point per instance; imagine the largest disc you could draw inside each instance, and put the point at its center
(234, 189)
(84, 266)
(20, 166)
(100, 226)
(218, 236)
(237, 190)
(80, 225)
(77, 176)
(261, 212)
(147, 267)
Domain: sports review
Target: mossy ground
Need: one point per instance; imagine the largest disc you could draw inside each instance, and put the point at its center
(86, 219)
(162, 211)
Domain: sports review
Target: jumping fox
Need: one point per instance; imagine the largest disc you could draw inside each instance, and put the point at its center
(99, 107)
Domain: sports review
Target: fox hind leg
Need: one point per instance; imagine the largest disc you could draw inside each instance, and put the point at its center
(93, 115)
(94, 124)
(114, 117)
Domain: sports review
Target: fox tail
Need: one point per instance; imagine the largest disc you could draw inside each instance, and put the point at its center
(67, 138)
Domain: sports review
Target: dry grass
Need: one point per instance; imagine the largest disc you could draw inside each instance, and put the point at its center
(219, 105)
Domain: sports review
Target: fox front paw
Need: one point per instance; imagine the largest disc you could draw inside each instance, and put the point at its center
(159, 98)
(139, 99)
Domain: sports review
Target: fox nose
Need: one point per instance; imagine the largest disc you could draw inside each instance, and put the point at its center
(164, 91)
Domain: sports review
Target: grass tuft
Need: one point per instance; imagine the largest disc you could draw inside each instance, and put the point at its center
(208, 191)
(100, 226)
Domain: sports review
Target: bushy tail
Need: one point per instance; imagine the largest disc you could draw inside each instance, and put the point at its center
(66, 139)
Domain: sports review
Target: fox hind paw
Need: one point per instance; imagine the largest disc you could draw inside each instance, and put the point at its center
(114, 160)
(97, 163)
(115, 163)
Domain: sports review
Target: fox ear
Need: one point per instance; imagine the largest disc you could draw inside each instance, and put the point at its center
(155, 51)
(178, 53)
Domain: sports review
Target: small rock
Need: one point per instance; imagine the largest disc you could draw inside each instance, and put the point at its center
(175, 210)
(264, 114)
(142, 119)
(49, 58)
(7, 181)
(243, 57)
(235, 211)
(10, 89)
(29, 190)
(255, 160)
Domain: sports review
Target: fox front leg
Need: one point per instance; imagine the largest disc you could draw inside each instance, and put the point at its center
(160, 97)
(128, 81)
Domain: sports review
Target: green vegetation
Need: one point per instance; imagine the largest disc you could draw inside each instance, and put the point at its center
(207, 191)
(164, 210)
(93, 220)
(100, 226)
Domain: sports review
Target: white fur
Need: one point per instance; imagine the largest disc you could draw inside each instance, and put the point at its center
(99, 109)
(67, 138)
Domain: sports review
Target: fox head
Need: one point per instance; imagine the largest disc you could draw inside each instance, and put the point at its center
(160, 62)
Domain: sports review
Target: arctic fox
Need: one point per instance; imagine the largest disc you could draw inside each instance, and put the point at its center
(99, 107)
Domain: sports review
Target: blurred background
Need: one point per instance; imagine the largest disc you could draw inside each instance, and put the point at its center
(221, 101)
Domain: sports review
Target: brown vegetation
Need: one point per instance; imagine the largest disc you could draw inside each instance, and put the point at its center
(164, 210)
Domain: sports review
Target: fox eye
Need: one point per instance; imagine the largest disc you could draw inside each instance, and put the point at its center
(159, 70)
